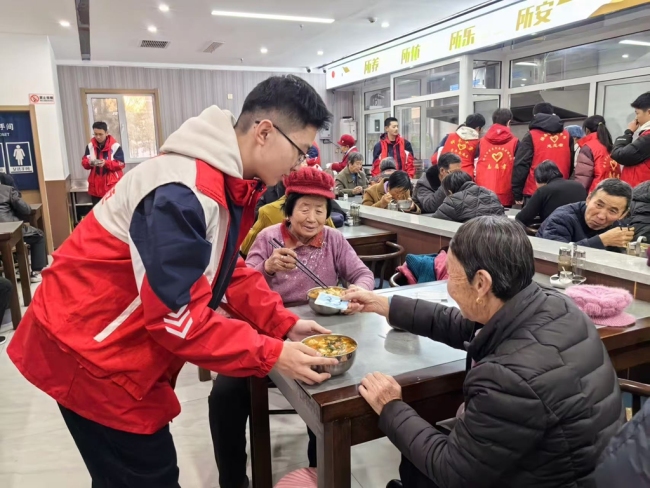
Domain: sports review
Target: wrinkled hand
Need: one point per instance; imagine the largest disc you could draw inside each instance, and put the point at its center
(358, 190)
(366, 301)
(304, 329)
(281, 260)
(296, 360)
(379, 389)
(617, 237)
(634, 125)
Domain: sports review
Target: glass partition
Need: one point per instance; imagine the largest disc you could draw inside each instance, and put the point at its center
(442, 117)
(410, 120)
(428, 82)
(374, 129)
(377, 99)
(487, 74)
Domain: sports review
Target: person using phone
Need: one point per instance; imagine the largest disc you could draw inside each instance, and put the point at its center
(105, 160)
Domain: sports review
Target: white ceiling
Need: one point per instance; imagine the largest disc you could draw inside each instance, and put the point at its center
(118, 26)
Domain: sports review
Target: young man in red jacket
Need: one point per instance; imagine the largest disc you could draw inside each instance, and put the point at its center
(634, 155)
(133, 293)
(347, 146)
(105, 160)
(496, 157)
(393, 145)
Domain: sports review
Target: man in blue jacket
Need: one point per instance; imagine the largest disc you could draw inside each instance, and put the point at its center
(594, 223)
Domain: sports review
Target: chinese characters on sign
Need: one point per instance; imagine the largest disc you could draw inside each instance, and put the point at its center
(462, 38)
(410, 54)
(371, 66)
(35, 98)
(6, 126)
(537, 14)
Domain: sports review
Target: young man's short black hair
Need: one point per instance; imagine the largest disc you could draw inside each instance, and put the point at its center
(455, 181)
(389, 121)
(287, 100)
(475, 121)
(543, 108)
(400, 179)
(100, 126)
(546, 172)
(502, 116)
(447, 159)
(642, 102)
(615, 188)
(292, 199)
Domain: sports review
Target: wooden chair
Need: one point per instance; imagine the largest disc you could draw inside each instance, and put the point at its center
(397, 280)
(637, 390)
(379, 264)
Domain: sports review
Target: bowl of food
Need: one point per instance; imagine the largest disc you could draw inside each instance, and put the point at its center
(312, 294)
(404, 205)
(337, 346)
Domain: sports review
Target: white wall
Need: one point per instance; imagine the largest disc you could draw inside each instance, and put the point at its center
(27, 66)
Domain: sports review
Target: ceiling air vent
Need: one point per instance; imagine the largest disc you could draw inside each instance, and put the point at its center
(213, 47)
(154, 44)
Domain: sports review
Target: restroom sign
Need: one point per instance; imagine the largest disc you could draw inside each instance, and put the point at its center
(19, 156)
(37, 99)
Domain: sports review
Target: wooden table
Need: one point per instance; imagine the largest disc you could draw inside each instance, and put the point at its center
(11, 235)
(36, 217)
(367, 240)
(431, 375)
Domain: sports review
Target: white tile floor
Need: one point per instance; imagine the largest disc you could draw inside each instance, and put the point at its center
(36, 450)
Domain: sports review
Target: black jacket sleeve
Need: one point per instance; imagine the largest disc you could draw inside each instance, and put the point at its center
(448, 210)
(628, 153)
(19, 206)
(376, 152)
(532, 210)
(523, 162)
(427, 319)
(438, 197)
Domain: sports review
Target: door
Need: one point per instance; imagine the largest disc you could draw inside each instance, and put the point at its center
(613, 99)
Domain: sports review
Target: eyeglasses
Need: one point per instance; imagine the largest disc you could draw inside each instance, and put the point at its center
(302, 156)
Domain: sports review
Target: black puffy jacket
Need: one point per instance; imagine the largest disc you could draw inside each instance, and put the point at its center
(640, 211)
(541, 402)
(471, 201)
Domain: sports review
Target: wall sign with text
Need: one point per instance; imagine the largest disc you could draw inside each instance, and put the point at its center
(17, 149)
(517, 20)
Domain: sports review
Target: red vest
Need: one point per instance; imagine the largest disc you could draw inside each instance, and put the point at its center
(556, 147)
(604, 166)
(465, 149)
(494, 169)
(635, 175)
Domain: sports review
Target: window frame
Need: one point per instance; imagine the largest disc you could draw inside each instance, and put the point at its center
(87, 94)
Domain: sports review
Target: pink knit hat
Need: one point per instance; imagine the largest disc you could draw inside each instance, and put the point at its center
(603, 305)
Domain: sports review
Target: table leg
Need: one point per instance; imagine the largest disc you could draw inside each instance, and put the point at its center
(260, 433)
(10, 274)
(334, 446)
(23, 266)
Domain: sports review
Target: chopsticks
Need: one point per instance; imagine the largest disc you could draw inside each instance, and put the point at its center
(300, 265)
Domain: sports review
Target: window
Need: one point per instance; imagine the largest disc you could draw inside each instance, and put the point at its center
(487, 74)
(428, 82)
(608, 56)
(441, 118)
(131, 120)
(374, 130)
(486, 105)
(377, 99)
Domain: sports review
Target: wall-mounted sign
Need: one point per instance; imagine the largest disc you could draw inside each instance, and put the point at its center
(35, 98)
(517, 20)
(17, 148)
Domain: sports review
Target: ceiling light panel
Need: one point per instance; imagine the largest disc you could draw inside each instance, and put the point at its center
(289, 18)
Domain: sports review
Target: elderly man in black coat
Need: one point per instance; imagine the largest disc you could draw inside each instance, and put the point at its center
(541, 397)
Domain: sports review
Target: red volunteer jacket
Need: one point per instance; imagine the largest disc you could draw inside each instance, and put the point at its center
(465, 149)
(401, 150)
(125, 303)
(555, 147)
(338, 167)
(496, 162)
(600, 166)
(102, 179)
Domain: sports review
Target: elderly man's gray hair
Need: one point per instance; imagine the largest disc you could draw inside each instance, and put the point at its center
(354, 157)
(499, 246)
(387, 163)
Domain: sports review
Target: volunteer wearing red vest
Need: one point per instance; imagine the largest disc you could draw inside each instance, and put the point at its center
(105, 160)
(547, 140)
(132, 293)
(391, 144)
(347, 147)
(463, 142)
(496, 157)
(634, 156)
(594, 162)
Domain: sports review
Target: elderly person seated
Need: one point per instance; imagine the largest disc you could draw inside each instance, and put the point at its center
(327, 253)
(352, 180)
(553, 192)
(396, 187)
(467, 200)
(596, 222)
(429, 193)
(541, 395)
(387, 167)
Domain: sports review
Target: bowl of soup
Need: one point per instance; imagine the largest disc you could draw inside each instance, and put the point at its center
(340, 347)
(312, 295)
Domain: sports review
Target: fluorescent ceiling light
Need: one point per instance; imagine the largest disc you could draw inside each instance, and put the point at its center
(525, 63)
(290, 18)
(163, 8)
(625, 56)
(64, 23)
(632, 42)
(320, 53)
(264, 50)
(152, 28)
(524, 79)
(385, 25)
